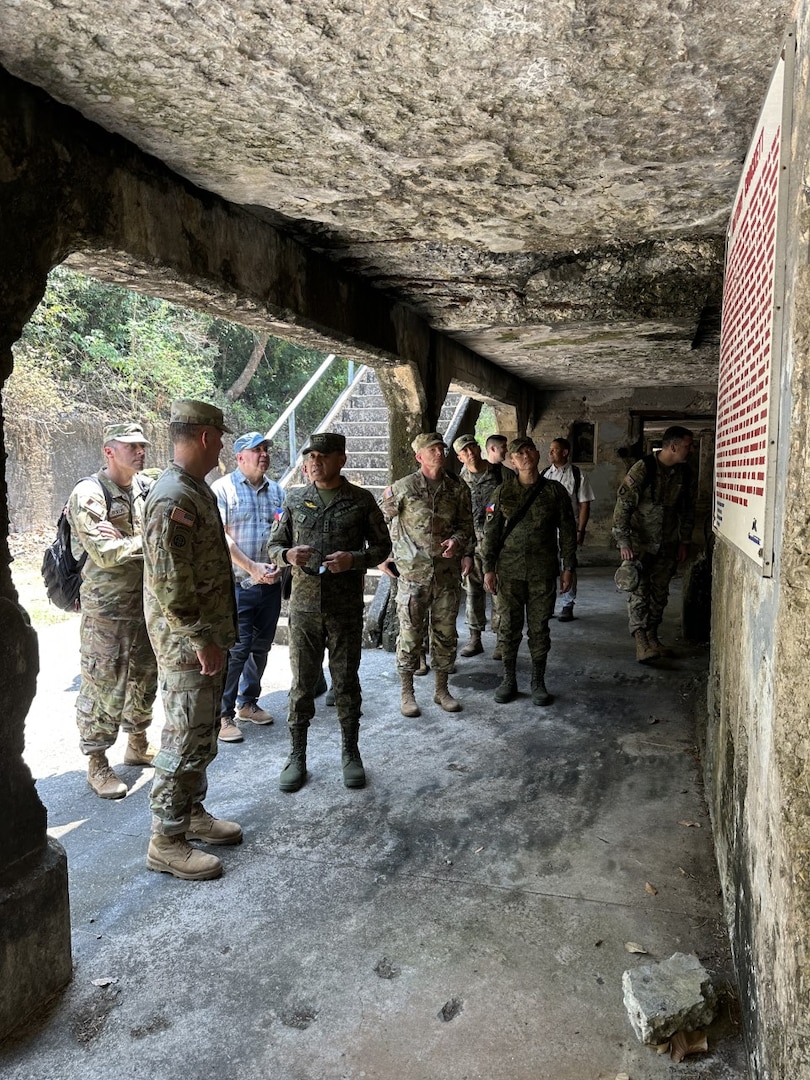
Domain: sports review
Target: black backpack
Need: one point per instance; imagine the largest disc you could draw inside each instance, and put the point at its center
(62, 573)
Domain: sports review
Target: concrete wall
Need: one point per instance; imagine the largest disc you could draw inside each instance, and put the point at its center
(758, 731)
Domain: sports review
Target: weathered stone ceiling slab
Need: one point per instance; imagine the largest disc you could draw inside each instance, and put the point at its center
(549, 181)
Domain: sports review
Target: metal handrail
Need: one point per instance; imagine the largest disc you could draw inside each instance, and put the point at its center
(289, 412)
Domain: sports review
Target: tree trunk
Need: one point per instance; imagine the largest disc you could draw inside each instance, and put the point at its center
(242, 382)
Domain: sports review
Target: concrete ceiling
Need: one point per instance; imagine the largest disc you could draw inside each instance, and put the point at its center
(548, 182)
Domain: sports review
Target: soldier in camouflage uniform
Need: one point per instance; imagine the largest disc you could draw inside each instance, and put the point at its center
(521, 562)
(432, 536)
(118, 670)
(191, 615)
(330, 532)
(652, 525)
(482, 478)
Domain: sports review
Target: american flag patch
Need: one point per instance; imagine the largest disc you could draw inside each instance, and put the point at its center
(277, 515)
(491, 508)
(182, 517)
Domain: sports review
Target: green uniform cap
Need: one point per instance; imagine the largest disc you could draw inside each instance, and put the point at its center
(201, 413)
(422, 442)
(463, 441)
(519, 443)
(132, 432)
(626, 577)
(326, 442)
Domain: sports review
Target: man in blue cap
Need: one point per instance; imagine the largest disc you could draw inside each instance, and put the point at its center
(248, 502)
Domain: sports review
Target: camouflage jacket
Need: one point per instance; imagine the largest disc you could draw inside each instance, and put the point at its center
(420, 519)
(350, 521)
(188, 585)
(532, 545)
(112, 578)
(655, 506)
(482, 487)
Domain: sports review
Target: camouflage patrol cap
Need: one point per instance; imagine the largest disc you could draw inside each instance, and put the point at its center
(463, 441)
(519, 443)
(431, 438)
(132, 432)
(200, 413)
(627, 576)
(325, 442)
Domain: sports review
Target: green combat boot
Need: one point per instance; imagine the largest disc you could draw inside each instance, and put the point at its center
(354, 775)
(294, 774)
(507, 688)
(540, 696)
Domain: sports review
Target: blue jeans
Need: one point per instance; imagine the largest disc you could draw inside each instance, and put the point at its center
(257, 609)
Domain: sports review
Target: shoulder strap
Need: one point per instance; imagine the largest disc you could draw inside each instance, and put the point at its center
(516, 518)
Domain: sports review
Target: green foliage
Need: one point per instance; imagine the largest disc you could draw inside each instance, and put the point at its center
(129, 354)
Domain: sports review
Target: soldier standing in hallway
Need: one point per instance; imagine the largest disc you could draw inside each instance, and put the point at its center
(431, 527)
(521, 563)
(330, 532)
(482, 478)
(118, 669)
(191, 615)
(652, 526)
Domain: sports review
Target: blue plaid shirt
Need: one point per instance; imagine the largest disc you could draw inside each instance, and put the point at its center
(247, 514)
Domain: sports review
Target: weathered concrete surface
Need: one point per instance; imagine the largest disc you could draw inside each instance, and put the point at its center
(498, 856)
(543, 180)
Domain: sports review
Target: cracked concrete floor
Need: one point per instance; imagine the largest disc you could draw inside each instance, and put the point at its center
(464, 916)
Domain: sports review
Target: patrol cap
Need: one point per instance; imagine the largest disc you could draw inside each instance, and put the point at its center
(463, 441)
(249, 441)
(519, 443)
(627, 576)
(201, 413)
(422, 442)
(131, 432)
(326, 442)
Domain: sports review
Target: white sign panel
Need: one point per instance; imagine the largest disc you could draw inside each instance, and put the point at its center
(750, 337)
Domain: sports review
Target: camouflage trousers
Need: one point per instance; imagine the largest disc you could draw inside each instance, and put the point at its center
(311, 634)
(432, 607)
(188, 745)
(533, 600)
(475, 608)
(645, 606)
(118, 680)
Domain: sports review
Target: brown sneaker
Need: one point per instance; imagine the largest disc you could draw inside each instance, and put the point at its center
(175, 855)
(139, 751)
(229, 730)
(101, 778)
(254, 714)
(204, 826)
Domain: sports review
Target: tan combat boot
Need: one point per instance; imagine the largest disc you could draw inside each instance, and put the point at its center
(473, 646)
(102, 779)
(644, 650)
(442, 695)
(210, 830)
(408, 706)
(423, 668)
(175, 855)
(654, 643)
(139, 751)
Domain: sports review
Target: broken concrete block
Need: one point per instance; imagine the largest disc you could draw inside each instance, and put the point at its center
(673, 995)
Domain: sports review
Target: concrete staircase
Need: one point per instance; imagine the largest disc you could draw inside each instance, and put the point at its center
(362, 416)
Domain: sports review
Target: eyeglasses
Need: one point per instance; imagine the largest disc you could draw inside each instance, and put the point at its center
(314, 565)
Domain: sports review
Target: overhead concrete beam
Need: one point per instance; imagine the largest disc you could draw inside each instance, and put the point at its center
(123, 216)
